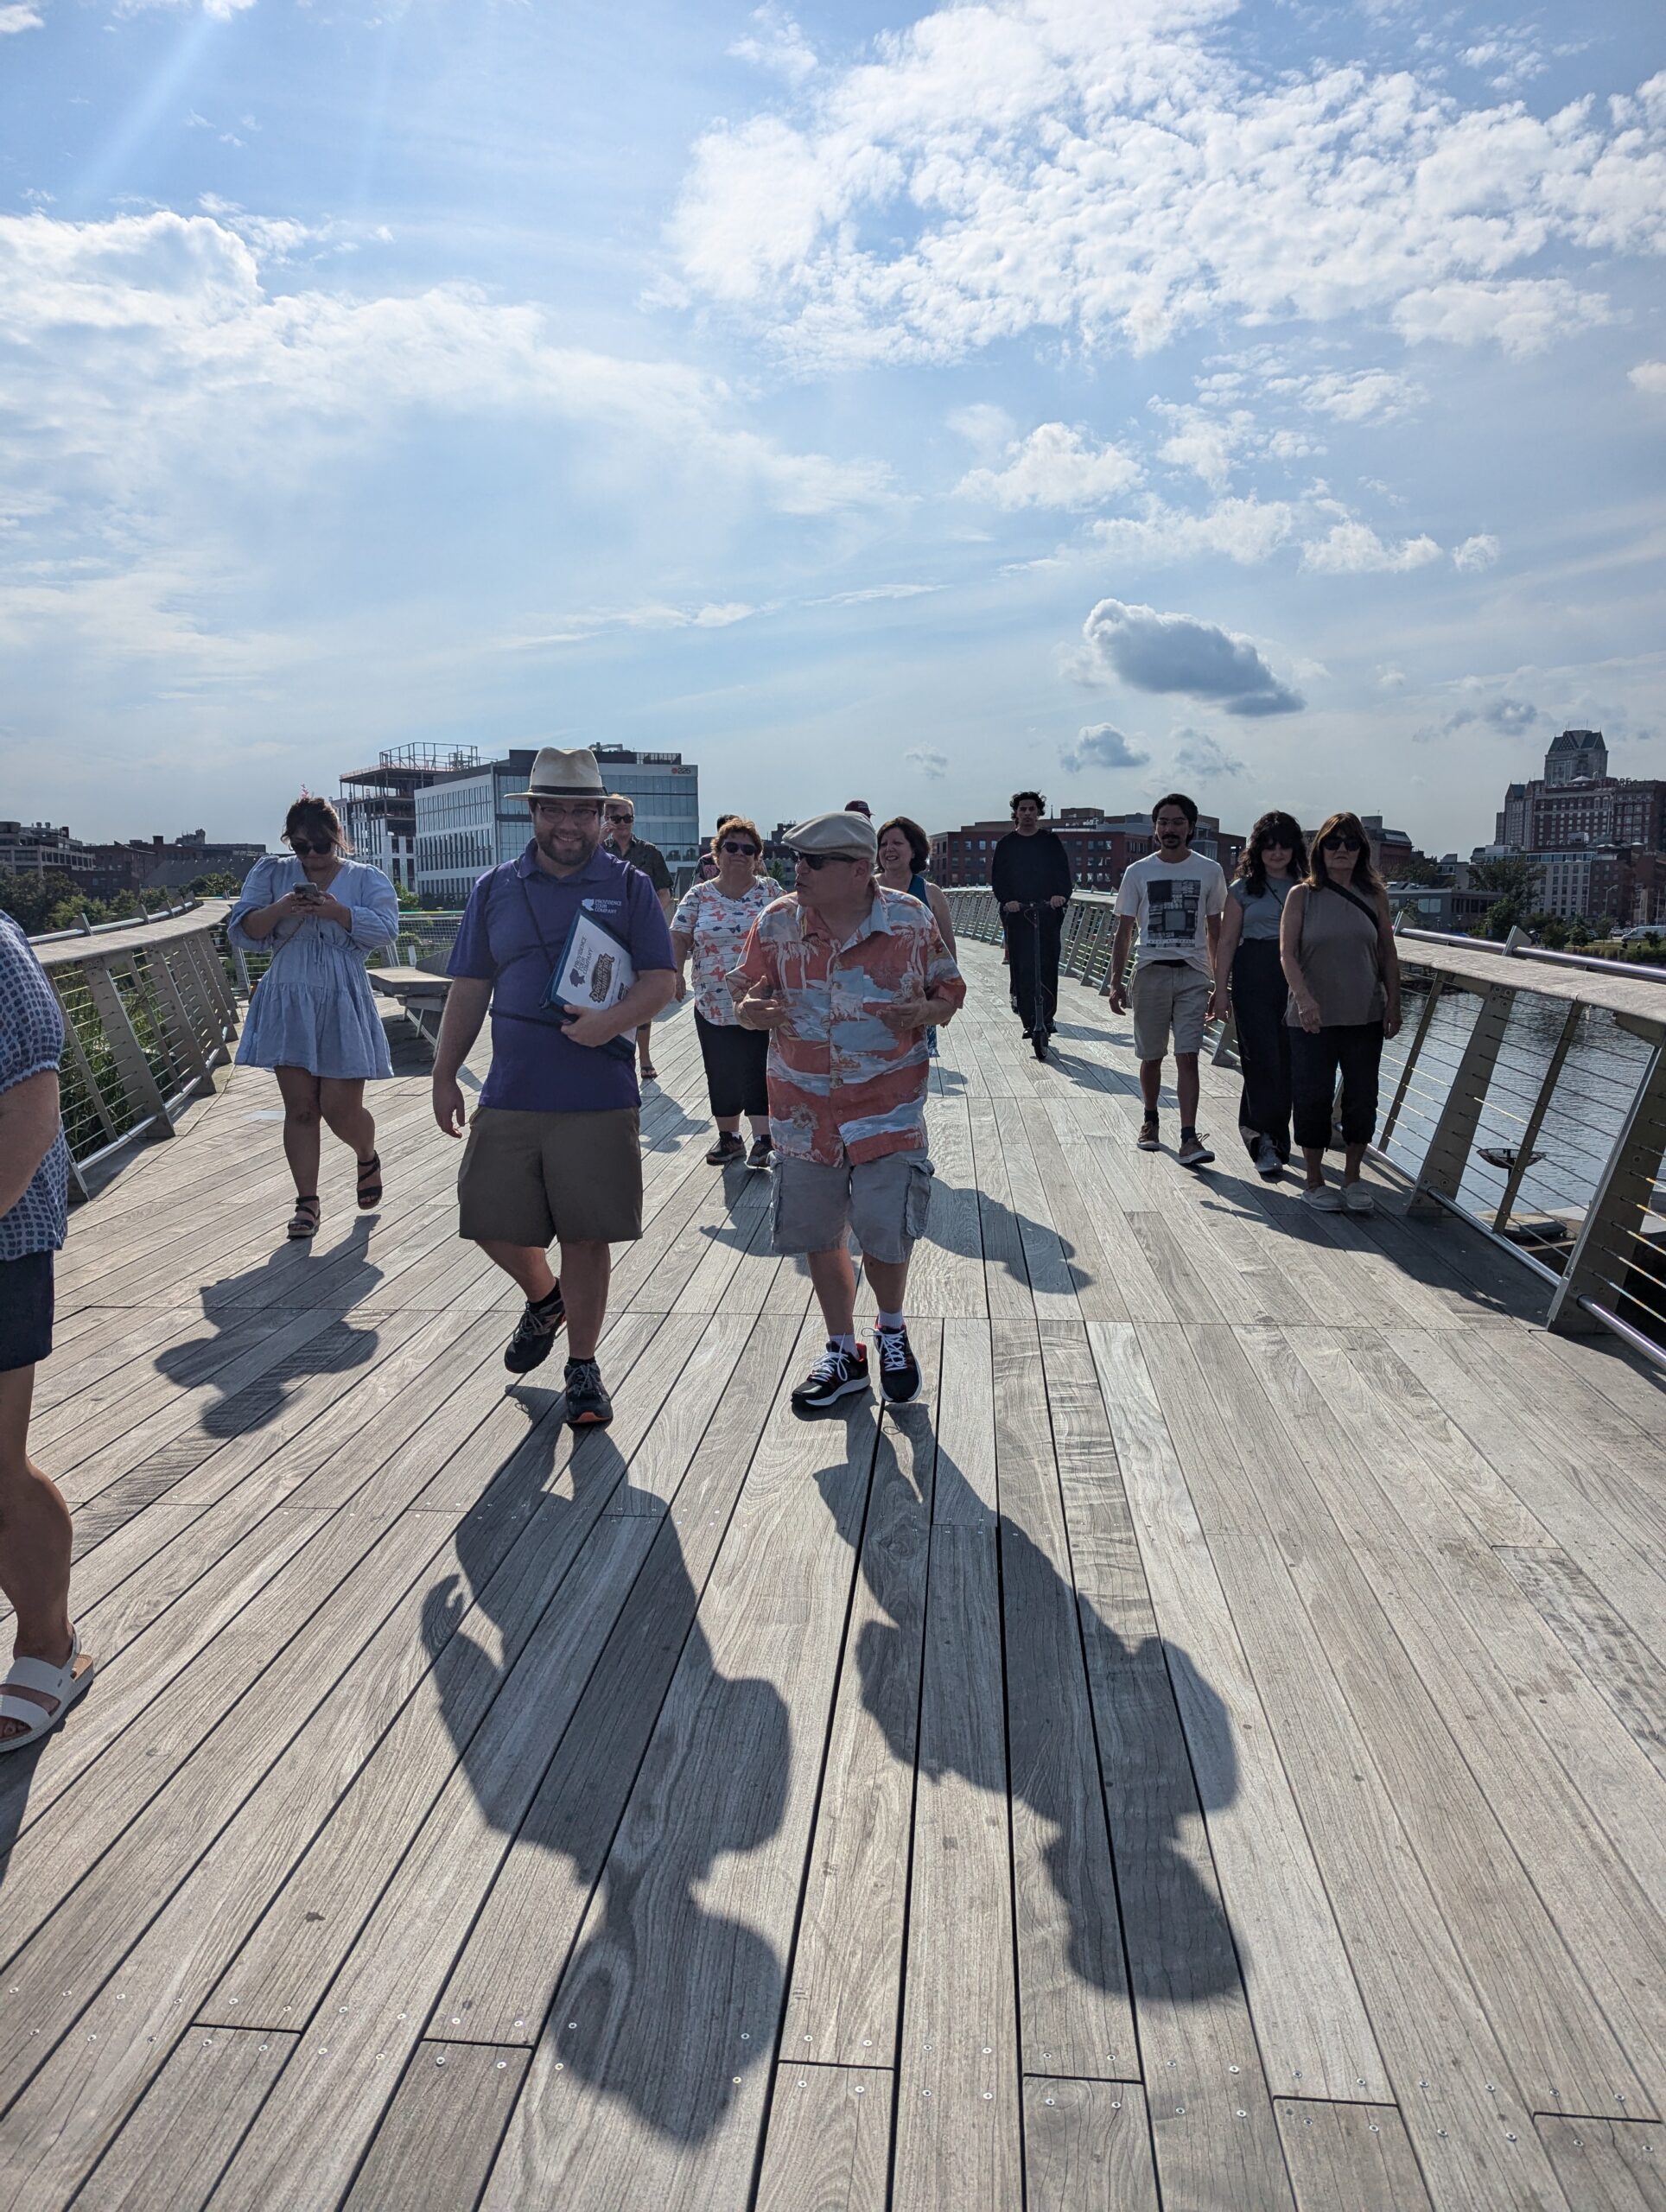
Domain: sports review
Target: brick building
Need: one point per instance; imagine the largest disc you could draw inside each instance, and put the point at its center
(1100, 846)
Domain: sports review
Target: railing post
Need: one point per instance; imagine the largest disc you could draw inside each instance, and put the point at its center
(1535, 1119)
(1600, 1259)
(77, 1052)
(1444, 1162)
(136, 1077)
(1436, 986)
(193, 1044)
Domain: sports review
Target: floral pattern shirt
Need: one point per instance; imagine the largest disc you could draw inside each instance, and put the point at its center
(843, 1087)
(716, 927)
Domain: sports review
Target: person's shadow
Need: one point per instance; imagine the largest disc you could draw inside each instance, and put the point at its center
(666, 1765)
(252, 1305)
(1179, 1946)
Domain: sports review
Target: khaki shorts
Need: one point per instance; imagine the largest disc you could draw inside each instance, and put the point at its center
(885, 1201)
(1168, 995)
(539, 1179)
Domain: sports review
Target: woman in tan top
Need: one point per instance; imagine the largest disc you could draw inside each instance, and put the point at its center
(1336, 945)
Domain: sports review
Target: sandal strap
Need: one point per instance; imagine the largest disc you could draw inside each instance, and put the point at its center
(37, 1674)
(33, 1716)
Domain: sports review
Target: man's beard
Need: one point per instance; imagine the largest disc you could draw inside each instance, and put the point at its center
(545, 842)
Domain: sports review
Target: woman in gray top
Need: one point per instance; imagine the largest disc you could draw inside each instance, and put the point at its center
(1250, 985)
(1336, 942)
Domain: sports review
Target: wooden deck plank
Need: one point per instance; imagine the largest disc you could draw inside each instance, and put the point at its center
(506, 1973)
(959, 2120)
(1309, 2017)
(1087, 2147)
(1608, 2165)
(1607, 1650)
(1075, 2018)
(651, 2086)
(435, 2148)
(173, 2149)
(844, 1991)
(828, 2140)
(1349, 2157)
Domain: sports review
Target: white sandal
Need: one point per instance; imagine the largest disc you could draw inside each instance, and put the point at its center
(62, 1683)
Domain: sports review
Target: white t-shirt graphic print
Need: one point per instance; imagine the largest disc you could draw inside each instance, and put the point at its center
(1172, 901)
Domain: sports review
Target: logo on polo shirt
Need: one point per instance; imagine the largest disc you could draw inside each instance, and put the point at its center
(602, 906)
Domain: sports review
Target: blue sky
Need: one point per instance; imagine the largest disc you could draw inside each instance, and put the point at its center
(1267, 399)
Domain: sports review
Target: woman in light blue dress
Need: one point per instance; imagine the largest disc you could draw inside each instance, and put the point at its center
(313, 1016)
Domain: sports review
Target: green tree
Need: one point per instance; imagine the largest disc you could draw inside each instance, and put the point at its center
(1419, 869)
(1515, 884)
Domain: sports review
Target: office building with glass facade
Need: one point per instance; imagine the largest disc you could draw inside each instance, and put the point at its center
(467, 823)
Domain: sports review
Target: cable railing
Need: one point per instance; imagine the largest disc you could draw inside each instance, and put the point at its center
(1525, 1092)
(149, 1013)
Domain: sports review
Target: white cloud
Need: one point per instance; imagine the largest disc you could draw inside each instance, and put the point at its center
(1197, 753)
(1475, 553)
(1353, 549)
(988, 430)
(928, 761)
(1101, 745)
(1360, 395)
(1246, 530)
(1522, 316)
(1650, 377)
(133, 345)
(868, 592)
(1508, 716)
(1152, 651)
(1390, 679)
(1025, 165)
(779, 44)
(578, 629)
(18, 16)
(1054, 466)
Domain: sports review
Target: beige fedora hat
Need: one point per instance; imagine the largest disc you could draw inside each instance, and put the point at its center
(556, 774)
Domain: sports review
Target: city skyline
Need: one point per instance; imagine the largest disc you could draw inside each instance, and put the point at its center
(917, 401)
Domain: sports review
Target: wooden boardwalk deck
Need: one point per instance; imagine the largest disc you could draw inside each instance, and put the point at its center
(1208, 1753)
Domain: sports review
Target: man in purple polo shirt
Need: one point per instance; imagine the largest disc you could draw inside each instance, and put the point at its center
(553, 1152)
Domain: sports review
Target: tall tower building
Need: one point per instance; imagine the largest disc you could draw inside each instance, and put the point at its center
(1577, 756)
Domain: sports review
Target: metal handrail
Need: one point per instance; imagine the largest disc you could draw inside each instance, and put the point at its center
(1613, 1270)
(84, 928)
(149, 1013)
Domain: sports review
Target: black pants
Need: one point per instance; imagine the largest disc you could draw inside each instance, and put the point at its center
(735, 1062)
(1351, 1050)
(1259, 995)
(1028, 946)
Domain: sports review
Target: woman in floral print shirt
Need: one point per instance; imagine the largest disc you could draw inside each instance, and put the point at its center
(711, 925)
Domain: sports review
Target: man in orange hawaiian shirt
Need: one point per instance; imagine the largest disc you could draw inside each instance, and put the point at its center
(847, 978)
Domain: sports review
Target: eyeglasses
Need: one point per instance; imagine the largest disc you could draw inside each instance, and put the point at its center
(729, 845)
(819, 860)
(549, 811)
(611, 817)
(302, 847)
(1341, 841)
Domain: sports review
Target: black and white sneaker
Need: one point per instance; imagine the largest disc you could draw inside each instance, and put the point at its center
(588, 1405)
(835, 1375)
(899, 1369)
(535, 1333)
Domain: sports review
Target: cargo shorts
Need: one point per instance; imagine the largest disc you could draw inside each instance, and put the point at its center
(884, 1201)
(1169, 994)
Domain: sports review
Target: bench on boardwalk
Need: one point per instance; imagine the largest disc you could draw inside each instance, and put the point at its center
(420, 996)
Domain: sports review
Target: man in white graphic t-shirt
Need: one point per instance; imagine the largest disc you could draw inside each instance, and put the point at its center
(1174, 897)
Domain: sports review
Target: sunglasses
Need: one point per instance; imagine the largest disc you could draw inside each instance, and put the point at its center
(1342, 841)
(303, 845)
(819, 860)
(729, 845)
(622, 817)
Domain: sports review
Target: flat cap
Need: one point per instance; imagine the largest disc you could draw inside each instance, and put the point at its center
(835, 833)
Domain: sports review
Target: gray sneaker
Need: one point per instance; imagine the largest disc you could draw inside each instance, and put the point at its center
(1355, 1198)
(1322, 1198)
(1267, 1162)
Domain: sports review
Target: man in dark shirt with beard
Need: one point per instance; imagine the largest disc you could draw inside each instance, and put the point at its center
(1031, 868)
